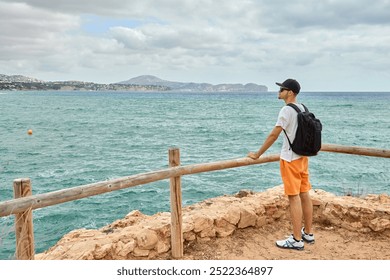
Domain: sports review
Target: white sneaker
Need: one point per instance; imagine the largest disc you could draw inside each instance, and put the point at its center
(290, 243)
(309, 238)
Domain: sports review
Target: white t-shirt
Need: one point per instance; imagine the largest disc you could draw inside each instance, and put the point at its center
(288, 120)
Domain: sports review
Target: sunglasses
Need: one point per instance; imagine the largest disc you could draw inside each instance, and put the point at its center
(283, 89)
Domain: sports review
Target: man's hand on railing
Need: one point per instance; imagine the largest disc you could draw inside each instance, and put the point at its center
(253, 155)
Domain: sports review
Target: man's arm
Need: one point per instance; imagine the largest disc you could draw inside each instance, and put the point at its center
(272, 137)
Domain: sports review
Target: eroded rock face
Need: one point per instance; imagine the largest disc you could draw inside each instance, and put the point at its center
(141, 236)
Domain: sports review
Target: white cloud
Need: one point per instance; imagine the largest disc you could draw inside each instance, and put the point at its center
(211, 41)
(28, 31)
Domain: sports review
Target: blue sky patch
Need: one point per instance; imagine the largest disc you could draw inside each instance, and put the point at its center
(96, 25)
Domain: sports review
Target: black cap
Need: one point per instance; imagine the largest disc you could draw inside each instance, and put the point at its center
(290, 84)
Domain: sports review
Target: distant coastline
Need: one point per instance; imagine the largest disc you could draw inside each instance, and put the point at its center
(140, 83)
(75, 86)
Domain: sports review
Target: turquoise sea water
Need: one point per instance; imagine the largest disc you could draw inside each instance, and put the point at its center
(84, 137)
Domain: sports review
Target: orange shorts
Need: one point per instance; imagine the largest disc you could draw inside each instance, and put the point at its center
(295, 176)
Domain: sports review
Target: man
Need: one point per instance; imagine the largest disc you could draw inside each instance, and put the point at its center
(293, 169)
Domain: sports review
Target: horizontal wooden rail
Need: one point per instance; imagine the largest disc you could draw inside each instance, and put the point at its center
(354, 150)
(52, 198)
(20, 205)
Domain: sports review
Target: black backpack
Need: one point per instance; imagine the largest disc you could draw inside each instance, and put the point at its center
(307, 140)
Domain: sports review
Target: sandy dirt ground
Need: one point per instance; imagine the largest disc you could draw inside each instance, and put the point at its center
(332, 243)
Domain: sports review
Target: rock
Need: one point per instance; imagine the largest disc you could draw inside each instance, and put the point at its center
(162, 247)
(379, 224)
(247, 218)
(123, 249)
(207, 232)
(261, 221)
(384, 198)
(161, 226)
(138, 236)
(232, 215)
(140, 252)
(101, 251)
(189, 236)
(202, 222)
(244, 193)
(188, 224)
(316, 202)
(146, 239)
(271, 209)
(223, 228)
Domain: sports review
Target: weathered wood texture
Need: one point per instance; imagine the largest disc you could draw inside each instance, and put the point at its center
(24, 229)
(176, 207)
(74, 193)
(355, 150)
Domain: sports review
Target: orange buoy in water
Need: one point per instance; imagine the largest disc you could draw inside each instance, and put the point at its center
(29, 132)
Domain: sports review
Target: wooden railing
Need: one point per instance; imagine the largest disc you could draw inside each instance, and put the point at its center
(24, 202)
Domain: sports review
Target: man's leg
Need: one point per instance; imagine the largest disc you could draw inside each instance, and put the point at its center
(296, 215)
(295, 241)
(307, 209)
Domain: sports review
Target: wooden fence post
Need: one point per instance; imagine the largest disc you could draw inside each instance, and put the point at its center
(24, 229)
(176, 207)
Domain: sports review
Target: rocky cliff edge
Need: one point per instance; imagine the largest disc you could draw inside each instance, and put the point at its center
(140, 236)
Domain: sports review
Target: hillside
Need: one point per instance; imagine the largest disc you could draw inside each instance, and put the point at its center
(180, 86)
(18, 79)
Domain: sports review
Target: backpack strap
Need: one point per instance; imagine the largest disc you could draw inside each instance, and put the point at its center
(288, 139)
(307, 110)
(296, 108)
(298, 111)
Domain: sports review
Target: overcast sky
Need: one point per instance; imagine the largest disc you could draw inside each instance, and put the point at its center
(326, 45)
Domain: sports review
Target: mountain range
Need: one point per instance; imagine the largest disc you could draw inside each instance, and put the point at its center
(143, 83)
(180, 86)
